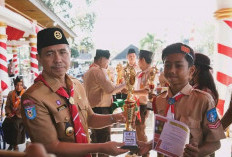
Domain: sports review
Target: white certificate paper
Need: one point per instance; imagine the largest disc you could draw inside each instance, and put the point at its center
(170, 136)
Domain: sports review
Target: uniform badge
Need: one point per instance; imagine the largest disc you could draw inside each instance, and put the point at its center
(57, 35)
(58, 102)
(212, 115)
(69, 130)
(171, 101)
(60, 108)
(71, 100)
(30, 111)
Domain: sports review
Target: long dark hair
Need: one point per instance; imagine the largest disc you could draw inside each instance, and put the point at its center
(203, 76)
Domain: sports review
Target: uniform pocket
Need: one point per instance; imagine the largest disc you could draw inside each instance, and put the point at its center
(62, 116)
(195, 128)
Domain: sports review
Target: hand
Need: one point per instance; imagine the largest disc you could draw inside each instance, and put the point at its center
(191, 150)
(113, 148)
(119, 117)
(36, 150)
(144, 147)
(124, 91)
(9, 115)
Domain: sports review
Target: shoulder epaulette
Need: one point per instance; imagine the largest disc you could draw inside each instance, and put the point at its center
(161, 93)
(34, 87)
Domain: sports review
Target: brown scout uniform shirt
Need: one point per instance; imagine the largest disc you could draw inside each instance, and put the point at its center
(99, 89)
(143, 84)
(192, 110)
(51, 117)
(9, 106)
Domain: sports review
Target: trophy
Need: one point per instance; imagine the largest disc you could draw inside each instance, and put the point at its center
(129, 135)
(151, 85)
(119, 70)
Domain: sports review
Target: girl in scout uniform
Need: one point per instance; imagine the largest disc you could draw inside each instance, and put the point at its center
(13, 127)
(183, 103)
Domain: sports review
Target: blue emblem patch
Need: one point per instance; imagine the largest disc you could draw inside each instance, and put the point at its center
(171, 101)
(212, 115)
(30, 112)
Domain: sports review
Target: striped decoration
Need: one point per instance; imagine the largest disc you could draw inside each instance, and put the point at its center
(15, 59)
(34, 61)
(3, 59)
(223, 60)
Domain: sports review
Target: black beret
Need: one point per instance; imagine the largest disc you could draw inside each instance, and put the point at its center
(202, 60)
(102, 53)
(147, 55)
(49, 37)
(131, 51)
(178, 48)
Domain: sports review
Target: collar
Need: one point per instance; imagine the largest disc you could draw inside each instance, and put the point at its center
(94, 65)
(186, 91)
(54, 83)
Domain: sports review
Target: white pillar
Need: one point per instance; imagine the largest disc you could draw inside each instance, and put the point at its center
(15, 59)
(34, 61)
(223, 55)
(3, 60)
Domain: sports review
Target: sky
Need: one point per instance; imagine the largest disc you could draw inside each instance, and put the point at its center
(120, 23)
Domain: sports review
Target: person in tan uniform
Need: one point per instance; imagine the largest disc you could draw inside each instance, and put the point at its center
(55, 109)
(181, 102)
(13, 128)
(99, 90)
(141, 92)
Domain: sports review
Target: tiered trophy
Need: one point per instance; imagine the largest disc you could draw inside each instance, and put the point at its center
(129, 135)
(119, 70)
(151, 85)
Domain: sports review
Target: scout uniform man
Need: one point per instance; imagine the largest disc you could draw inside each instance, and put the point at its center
(131, 58)
(181, 102)
(99, 91)
(55, 110)
(141, 91)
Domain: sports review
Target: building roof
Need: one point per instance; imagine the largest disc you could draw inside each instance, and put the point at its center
(36, 10)
(122, 55)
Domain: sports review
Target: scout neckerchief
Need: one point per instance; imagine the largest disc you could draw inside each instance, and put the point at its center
(170, 112)
(16, 99)
(93, 65)
(80, 136)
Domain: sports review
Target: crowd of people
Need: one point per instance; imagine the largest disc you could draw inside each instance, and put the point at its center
(57, 110)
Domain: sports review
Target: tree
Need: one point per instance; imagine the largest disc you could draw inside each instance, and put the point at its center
(81, 23)
(150, 43)
(87, 44)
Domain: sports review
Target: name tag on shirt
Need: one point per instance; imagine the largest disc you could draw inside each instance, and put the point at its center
(60, 108)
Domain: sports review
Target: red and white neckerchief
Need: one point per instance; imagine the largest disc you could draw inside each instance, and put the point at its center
(170, 111)
(93, 65)
(80, 136)
(140, 80)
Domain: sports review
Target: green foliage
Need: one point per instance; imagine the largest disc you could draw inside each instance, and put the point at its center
(83, 23)
(150, 42)
(74, 52)
(86, 23)
(87, 44)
